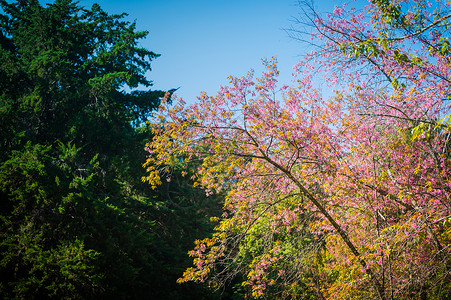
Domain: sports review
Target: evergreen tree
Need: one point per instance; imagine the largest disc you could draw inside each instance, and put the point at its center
(76, 220)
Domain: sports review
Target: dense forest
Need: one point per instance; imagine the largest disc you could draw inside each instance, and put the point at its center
(77, 222)
(112, 190)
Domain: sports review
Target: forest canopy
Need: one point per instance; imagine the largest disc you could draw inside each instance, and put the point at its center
(291, 193)
(76, 222)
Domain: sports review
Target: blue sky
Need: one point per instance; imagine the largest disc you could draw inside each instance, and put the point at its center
(201, 42)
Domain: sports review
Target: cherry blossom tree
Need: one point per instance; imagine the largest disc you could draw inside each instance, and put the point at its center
(337, 198)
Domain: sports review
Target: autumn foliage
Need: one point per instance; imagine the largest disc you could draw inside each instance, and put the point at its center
(338, 197)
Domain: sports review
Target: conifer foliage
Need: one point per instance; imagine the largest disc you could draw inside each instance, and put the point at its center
(76, 220)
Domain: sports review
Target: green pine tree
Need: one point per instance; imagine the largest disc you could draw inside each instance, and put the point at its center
(76, 221)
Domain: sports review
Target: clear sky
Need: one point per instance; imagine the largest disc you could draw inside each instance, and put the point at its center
(201, 42)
